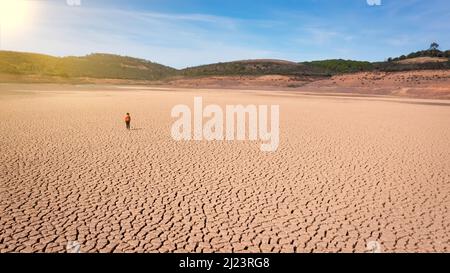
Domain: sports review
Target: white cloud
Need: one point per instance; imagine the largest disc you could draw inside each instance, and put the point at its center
(177, 40)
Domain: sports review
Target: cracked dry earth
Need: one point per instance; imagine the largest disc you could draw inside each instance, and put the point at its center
(348, 171)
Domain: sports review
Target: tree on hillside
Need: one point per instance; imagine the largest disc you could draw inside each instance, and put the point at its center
(434, 46)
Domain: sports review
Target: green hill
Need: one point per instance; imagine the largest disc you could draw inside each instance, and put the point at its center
(423, 53)
(92, 66)
(252, 67)
(341, 66)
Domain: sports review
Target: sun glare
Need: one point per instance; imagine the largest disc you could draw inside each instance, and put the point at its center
(13, 13)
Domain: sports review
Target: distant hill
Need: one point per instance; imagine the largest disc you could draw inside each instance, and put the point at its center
(18, 66)
(314, 68)
(340, 66)
(252, 67)
(333, 67)
(423, 53)
(91, 66)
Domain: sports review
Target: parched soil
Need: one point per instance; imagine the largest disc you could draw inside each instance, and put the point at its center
(348, 171)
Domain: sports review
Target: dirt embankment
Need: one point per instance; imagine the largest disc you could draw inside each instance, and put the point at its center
(418, 84)
(433, 84)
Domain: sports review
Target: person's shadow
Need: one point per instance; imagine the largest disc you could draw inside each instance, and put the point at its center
(137, 129)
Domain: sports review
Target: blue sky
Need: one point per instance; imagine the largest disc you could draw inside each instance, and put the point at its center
(183, 33)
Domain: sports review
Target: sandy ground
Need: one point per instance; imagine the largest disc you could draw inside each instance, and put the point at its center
(349, 170)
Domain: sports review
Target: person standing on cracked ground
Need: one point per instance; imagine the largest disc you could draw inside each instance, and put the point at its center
(128, 121)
